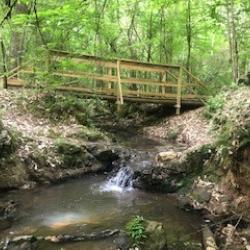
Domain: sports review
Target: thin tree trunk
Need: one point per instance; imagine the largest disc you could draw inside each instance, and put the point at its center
(150, 36)
(189, 35)
(232, 38)
(5, 78)
(17, 41)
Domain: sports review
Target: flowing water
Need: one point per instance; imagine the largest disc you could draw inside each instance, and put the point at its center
(96, 203)
(121, 182)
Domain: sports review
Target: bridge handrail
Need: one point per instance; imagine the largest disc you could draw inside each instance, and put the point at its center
(164, 81)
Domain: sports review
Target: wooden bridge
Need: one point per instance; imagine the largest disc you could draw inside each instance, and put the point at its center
(112, 79)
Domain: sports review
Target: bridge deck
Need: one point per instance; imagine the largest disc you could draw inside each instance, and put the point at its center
(112, 79)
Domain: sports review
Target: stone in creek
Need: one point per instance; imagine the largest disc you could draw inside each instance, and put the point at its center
(156, 236)
(166, 156)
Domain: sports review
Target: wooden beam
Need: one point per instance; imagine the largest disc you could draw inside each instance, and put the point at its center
(107, 78)
(99, 59)
(178, 97)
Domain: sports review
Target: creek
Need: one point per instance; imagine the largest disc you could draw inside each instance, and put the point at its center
(99, 202)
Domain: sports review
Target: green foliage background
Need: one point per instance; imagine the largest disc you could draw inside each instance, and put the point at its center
(151, 30)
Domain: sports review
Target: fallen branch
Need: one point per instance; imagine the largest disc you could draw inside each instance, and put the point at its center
(61, 238)
(208, 239)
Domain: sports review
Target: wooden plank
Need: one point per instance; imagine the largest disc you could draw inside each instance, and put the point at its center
(105, 64)
(142, 68)
(124, 65)
(98, 58)
(78, 75)
(110, 74)
(107, 78)
(196, 78)
(111, 94)
(147, 82)
(175, 77)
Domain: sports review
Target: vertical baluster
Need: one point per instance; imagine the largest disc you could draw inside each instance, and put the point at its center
(179, 86)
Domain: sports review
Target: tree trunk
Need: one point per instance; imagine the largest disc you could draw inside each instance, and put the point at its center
(18, 37)
(189, 35)
(149, 37)
(232, 38)
(5, 78)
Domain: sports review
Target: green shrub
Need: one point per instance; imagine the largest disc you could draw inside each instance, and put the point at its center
(214, 104)
(59, 107)
(136, 230)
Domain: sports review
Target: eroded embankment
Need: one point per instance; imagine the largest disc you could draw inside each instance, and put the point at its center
(40, 146)
(213, 173)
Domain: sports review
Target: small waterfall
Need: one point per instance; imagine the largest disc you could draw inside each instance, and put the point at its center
(122, 181)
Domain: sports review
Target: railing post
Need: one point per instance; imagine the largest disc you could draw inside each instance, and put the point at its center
(110, 74)
(119, 89)
(179, 88)
(163, 79)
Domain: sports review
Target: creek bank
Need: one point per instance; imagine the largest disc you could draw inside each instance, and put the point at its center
(32, 163)
(216, 182)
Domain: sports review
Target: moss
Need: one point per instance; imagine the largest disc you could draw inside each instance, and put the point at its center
(72, 155)
(195, 160)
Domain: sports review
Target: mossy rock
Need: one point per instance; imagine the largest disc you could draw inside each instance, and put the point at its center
(74, 156)
(156, 236)
(13, 173)
(194, 161)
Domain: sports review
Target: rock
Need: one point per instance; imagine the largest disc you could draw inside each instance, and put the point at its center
(75, 156)
(7, 213)
(166, 156)
(156, 236)
(104, 154)
(122, 241)
(6, 143)
(172, 174)
(28, 185)
(202, 190)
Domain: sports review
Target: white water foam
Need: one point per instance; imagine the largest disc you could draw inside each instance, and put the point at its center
(121, 182)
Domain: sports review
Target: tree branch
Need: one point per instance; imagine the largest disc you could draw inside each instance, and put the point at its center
(8, 14)
(38, 25)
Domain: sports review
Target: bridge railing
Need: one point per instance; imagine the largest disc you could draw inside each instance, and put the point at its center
(119, 79)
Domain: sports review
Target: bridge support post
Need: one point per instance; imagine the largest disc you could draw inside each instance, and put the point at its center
(179, 88)
(120, 101)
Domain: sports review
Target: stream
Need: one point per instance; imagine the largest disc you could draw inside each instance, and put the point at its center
(99, 202)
